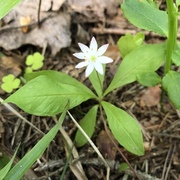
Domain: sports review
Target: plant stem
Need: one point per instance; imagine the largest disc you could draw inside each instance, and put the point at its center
(100, 82)
(172, 34)
(171, 39)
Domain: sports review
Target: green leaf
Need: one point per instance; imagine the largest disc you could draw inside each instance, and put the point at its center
(10, 83)
(28, 70)
(148, 79)
(4, 159)
(127, 43)
(146, 58)
(97, 81)
(124, 128)
(45, 96)
(6, 169)
(88, 125)
(60, 77)
(26, 162)
(7, 5)
(177, 3)
(146, 16)
(139, 38)
(35, 61)
(171, 83)
(123, 167)
(176, 56)
(153, 3)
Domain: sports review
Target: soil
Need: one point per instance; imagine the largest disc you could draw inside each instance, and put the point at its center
(160, 122)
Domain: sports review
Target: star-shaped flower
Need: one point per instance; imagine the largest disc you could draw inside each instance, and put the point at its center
(93, 57)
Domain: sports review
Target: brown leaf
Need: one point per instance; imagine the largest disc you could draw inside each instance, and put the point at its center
(112, 52)
(94, 10)
(51, 4)
(151, 97)
(54, 30)
(24, 21)
(105, 145)
(9, 65)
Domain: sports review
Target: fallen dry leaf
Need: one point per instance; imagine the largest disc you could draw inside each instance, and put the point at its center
(9, 65)
(54, 5)
(55, 27)
(151, 97)
(54, 30)
(24, 21)
(112, 52)
(94, 10)
(105, 145)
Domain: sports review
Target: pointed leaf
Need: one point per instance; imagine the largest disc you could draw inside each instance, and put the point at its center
(6, 169)
(88, 124)
(7, 5)
(47, 97)
(124, 128)
(176, 57)
(127, 43)
(139, 38)
(26, 162)
(171, 83)
(60, 77)
(146, 58)
(146, 16)
(148, 79)
(97, 81)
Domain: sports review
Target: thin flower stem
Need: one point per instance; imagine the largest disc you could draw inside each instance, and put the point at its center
(100, 82)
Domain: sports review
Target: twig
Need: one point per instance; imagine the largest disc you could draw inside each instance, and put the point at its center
(92, 144)
(166, 135)
(8, 28)
(143, 175)
(170, 162)
(107, 131)
(71, 151)
(19, 115)
(38, 17)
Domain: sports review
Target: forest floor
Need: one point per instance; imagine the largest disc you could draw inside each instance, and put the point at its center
(81, 22)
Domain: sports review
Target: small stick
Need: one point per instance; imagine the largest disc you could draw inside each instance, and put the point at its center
(19, 115)
(92, 144)
(106, 129)
(38, 17)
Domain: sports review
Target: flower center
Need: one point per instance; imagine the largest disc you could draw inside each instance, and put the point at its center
(93, 58)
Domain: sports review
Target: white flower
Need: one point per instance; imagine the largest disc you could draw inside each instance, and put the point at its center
(93, 57)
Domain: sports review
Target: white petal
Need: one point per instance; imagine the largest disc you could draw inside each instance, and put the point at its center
(93, 44)
(79, 55)
(104, 59)
(89, 69)
(99, 68)
(83, 48)
(82, 64)
(102, 49)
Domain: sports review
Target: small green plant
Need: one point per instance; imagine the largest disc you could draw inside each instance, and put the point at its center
(10, 83)
(47, 93)
(34, 62)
